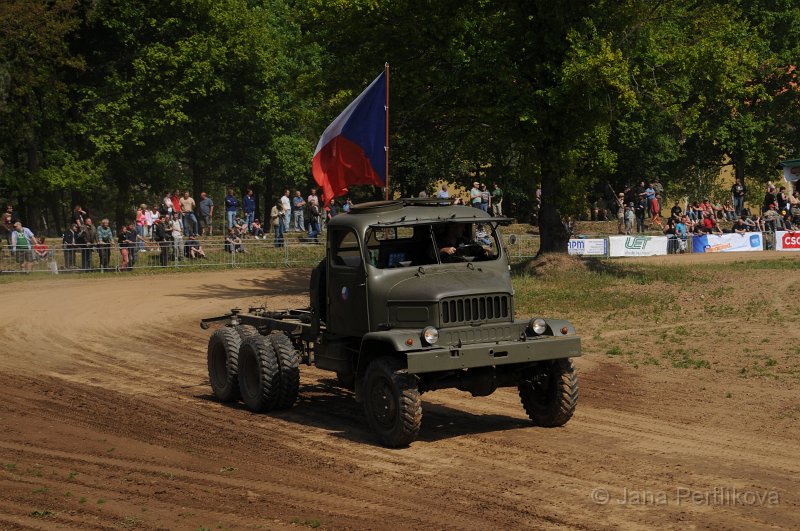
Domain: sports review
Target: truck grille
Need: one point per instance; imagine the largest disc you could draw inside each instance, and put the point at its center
(478, 308)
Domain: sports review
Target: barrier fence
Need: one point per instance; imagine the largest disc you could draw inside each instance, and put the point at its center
(301, 253)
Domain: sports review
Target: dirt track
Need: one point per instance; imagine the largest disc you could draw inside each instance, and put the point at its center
(107, 421)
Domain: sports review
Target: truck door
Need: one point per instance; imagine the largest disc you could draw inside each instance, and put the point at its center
(347, 284)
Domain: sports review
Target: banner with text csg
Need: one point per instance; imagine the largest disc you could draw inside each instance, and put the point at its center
(587, 246)
(787, 241)
(637, 245)
(726, 243)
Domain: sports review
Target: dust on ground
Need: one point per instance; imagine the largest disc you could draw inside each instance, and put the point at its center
(108, 422)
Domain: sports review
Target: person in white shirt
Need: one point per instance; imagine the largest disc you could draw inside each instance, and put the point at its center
(287, 209)
(176, 228)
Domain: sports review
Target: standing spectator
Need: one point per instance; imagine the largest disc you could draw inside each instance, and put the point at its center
(133, 238)
(206, 207)
(738, 191)
(187, 212)
(313, 199)
(475, 195)
(497, 201)
(22, 243)
(630, 216)
(175, 199)
(621, 213)
(640, 210)
(124, 249)
(783, 199)
(160, 237)
(650, 200)
(443, 193)
(330, 210)
(12, 216)
(87, 239)
(659, 189)
(348, 204)
(104, 239)
(148, 222)
(486, 198)
(298, 206)
(78, 216)
(313, 221)
(769, 198)
(231, 206)
(166, 204)
(6, 227)
(69, 243)
(286, 203)
(278, 222)
(249, 208)
(176, 229)
(140, 222)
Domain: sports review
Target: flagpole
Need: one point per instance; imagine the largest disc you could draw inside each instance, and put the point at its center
(386, 66)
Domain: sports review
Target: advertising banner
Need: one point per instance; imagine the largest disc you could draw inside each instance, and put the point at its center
(787, 241)
(637, 245)
(726, 243)
(587, 246)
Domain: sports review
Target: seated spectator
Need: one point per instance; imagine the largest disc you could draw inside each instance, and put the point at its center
(676, 210)
(193, 249)
(695, 212)
(788, 222)
(240, 227)
(718, 210)
(233, 243)
(681, 229)
(728, 211)
(714, 226)
(772, 219)
(257, 231)
(40, 250)
(739, 226)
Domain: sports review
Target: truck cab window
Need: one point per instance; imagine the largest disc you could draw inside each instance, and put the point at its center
(345, 250)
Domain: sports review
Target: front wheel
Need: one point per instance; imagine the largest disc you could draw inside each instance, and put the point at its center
(549, 392)
(392, 402)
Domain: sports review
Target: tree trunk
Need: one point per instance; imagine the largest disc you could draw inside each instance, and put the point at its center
(553, 235)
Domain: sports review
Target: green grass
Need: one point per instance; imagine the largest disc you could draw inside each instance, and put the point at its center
(10, 467)
(685, 359)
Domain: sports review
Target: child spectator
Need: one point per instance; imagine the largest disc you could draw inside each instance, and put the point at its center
(257, 231)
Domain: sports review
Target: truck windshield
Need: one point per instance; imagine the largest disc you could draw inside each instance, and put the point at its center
(428, 244)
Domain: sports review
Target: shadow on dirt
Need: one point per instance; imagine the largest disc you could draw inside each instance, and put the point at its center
(326, 406)
(288, 282)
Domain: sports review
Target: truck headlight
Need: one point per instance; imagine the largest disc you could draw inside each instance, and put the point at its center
(539, 326)
(430, 335)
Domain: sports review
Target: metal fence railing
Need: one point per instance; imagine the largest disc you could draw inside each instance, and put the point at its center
(251, 253)
(295, 252)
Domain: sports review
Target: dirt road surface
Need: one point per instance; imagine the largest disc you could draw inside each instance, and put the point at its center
(107, 421)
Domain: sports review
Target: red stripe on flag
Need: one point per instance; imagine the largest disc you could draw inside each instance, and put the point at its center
(341, 163)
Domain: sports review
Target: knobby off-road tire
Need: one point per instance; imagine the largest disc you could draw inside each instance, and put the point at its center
(259, 374)
(549, 392)
(223, 363)
(392, 402)
(289, 368)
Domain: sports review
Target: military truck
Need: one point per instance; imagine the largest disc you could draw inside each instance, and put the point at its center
(413, 296)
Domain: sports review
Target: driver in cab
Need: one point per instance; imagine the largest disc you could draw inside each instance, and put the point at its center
(455, 243)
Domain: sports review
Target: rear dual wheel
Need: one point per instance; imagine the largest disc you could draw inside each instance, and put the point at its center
(223, 360)
(269, 372)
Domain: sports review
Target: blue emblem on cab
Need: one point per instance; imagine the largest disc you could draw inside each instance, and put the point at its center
(345, 293)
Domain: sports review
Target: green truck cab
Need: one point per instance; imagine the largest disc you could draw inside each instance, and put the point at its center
(412, 296)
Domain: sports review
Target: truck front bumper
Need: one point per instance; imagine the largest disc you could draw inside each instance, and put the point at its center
(492, 354)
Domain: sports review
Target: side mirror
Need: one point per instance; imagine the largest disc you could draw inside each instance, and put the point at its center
(512, 239)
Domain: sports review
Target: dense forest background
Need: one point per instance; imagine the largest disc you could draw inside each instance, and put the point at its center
(108, 103)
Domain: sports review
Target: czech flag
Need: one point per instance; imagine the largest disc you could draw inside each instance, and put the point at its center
(353, 149)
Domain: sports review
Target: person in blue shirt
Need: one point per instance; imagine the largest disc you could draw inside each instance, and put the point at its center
(298, 206)
(249, 207)
(231, 206)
